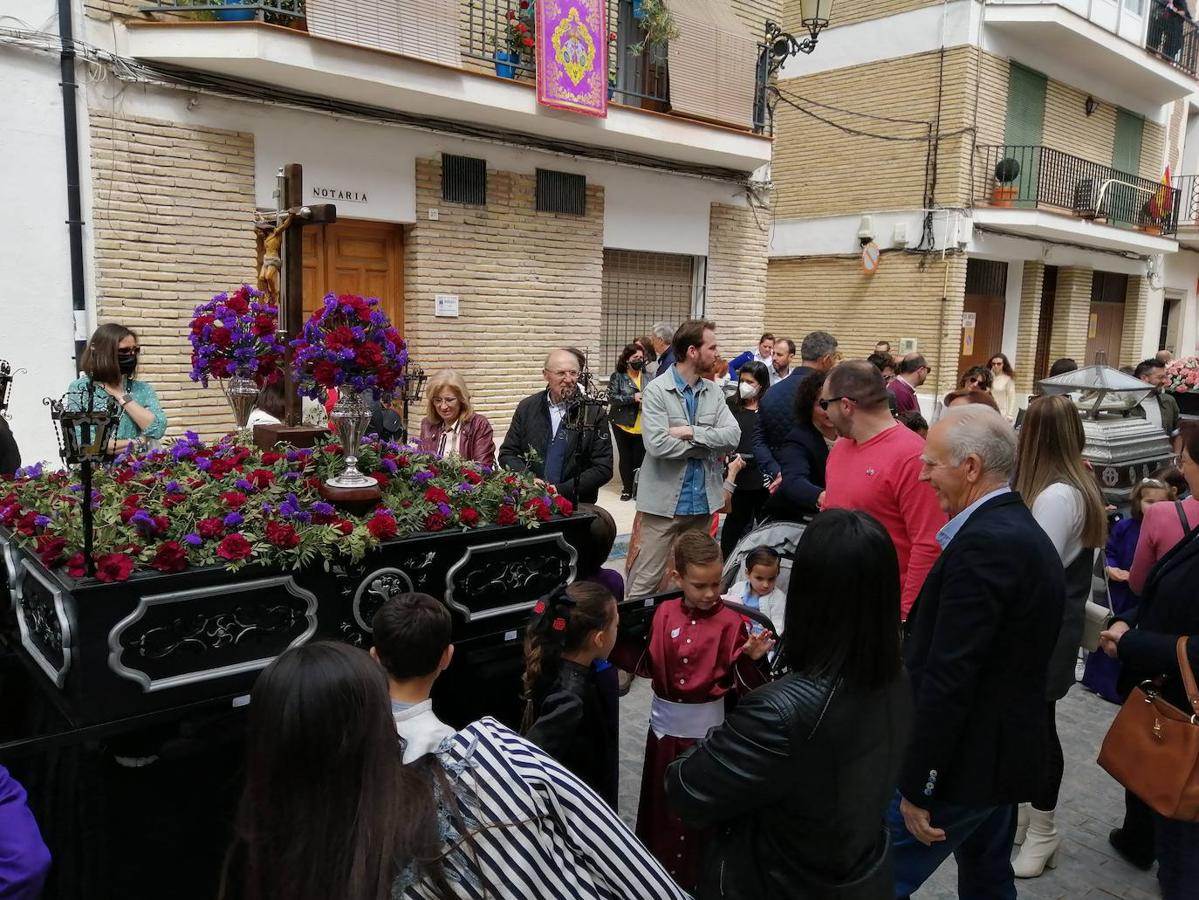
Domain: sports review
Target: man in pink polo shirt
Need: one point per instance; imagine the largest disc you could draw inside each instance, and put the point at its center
(875, 467)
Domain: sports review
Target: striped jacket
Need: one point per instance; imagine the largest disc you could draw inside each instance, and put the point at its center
(536, 830)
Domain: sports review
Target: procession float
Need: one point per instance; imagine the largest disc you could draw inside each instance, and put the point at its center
(141, 595)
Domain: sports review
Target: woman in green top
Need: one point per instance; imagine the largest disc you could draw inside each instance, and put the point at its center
(110, 362)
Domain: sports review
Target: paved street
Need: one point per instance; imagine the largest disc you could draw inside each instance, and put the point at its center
(1092, 804)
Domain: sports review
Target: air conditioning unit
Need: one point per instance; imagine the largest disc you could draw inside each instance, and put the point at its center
(1086, 198)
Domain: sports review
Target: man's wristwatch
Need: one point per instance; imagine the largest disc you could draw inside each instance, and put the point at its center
(125, 400)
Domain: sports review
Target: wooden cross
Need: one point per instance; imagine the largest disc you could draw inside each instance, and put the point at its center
(281, 276)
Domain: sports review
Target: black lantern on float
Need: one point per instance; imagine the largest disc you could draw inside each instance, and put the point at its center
(412, 391)
(586, 405)
(84, 430)
(5, 384)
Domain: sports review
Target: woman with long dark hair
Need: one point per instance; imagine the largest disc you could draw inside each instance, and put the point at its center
(624, 404)
(804, 453)
(1064, 498)
(109, 364)
(744, 479)
(330, 811)
(800, 775)
(1004, 385)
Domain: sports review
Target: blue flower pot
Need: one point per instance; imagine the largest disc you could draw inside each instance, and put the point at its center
(231, 14)
(637, 13)
(506, 63)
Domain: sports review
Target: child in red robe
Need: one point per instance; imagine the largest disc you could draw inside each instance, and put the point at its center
(700, 655)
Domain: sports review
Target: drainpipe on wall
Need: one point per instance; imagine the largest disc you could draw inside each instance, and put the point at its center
(70, 127)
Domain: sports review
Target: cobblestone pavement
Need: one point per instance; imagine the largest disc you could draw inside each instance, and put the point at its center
(1091, 805)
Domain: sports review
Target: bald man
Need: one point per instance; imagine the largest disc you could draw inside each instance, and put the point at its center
(576, 462)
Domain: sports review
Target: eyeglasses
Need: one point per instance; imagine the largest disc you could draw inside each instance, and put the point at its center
(826, 403)
(563, 373)
(128, 351)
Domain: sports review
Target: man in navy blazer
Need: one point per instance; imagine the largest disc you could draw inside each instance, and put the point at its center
(977, 651)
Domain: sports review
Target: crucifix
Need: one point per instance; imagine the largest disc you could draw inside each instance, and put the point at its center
(281, 277)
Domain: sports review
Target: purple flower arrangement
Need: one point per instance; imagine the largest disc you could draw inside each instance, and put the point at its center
(349, 344)
(236, 335)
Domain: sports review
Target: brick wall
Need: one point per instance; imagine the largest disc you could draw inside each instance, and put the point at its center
(820, 169)
(736, 288)
(1136, 307)
(106, 9)
(848, 13)
(1031, 286)
(172, 218)
(1068, 128)
(527, 282)
(1071, 314)
(904, 299)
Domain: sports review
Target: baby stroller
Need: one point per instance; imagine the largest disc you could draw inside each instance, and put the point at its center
(782, 536)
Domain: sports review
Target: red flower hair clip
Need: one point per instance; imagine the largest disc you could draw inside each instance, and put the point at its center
(559, 624)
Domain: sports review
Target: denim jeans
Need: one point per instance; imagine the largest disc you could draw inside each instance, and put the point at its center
(980, 839)
(1177, 845)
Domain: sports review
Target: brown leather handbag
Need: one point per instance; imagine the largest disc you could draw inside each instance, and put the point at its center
(1152, 747)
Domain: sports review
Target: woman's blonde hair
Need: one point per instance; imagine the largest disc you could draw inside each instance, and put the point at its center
(455, 382)
(1050, 451)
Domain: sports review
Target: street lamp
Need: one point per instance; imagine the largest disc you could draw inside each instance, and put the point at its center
(814, 16)
(83, 432)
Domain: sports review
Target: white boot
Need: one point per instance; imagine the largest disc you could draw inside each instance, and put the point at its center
(1021, 822)
(1040, 846)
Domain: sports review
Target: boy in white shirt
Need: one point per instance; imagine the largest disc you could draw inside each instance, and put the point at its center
(412, 642)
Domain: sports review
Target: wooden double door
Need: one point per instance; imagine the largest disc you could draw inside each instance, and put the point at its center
(356, 257)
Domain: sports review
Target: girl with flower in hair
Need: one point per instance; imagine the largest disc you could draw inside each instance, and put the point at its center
(571, 629)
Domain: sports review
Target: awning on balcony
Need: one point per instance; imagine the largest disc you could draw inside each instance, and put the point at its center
(1051, 226)
(713, 63)
(422, 29)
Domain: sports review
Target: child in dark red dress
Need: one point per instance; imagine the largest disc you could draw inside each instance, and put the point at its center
(699, 655)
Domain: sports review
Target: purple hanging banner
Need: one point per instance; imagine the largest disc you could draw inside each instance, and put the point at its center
(572, 55)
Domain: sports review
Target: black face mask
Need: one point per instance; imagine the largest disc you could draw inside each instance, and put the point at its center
(126, 362)
(636, 364)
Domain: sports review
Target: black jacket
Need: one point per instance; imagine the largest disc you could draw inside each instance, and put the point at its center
(588, 465)
(802, 457)
(980, 639)
(573, 727)
(1168, 609)
(622, 408)
(798, 779)
(776, 418)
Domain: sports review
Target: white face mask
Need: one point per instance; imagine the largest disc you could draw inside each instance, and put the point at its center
(746, 390)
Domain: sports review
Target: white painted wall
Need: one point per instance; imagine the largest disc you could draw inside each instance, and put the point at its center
(37, 325)
(1181, 274)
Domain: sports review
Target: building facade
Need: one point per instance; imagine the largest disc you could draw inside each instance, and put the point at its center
(535, 227)
(1007, 160)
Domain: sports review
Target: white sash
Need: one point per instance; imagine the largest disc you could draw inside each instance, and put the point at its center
(684, 720)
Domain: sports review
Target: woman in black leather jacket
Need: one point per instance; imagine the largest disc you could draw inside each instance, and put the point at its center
(799, 776)
(624, 412)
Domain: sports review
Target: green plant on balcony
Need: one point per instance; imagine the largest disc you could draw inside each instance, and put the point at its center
(657, 25)
(1007, 170)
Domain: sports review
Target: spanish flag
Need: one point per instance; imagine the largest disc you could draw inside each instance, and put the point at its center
(1160, 205)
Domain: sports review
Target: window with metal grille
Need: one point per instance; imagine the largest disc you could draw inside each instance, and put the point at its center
(986, 277)
(1108, 287)
(639, 290)
(463, 179)
(561, 192)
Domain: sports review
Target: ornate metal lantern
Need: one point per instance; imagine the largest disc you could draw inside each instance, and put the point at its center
(84, 431)
(414, 387)
(584, 408)
(5, 384)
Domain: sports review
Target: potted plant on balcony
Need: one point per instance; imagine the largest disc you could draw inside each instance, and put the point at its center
(518, 37)
(1004, 193)
(657, 26)
(235, 11)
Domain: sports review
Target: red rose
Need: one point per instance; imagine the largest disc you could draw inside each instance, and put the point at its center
(75, 566)
(381, 477)
(325, 373)
(235, 546)
(222, 337)
(233, 499)
(219, 366)
(528, 42)
(282, 535)
(124, 476)
(435, 522)
(564, 506)
(539, 509)
(344, 527)
(264, 324)
(270, 457)
(238, 303)
(49, 549)
(340, 338)
(210, 528)
(403, 461)
(472, 476)
(26, 525)
(114, 567)
(435, 494)
(261, 478)
(368, 356)
(199, 322)
(171, 500)
(469, 517)
(221, 467)
(511, 14)
(170, 557)
(522, 27)
(381, 527)
(506, 516)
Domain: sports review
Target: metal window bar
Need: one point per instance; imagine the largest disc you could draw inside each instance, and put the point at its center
(1172, 37)
(288, 13)
(1188, 205)
(639, 290)
(1033, 177)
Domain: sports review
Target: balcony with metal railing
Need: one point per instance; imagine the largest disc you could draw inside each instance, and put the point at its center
(1041, 192)
(460, 60)
(1138, 53)
(1187, 187)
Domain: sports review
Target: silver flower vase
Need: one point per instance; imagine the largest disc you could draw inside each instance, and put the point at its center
(242, 394)
(350, 417)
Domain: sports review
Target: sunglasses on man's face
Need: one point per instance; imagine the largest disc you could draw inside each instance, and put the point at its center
(826, 403)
